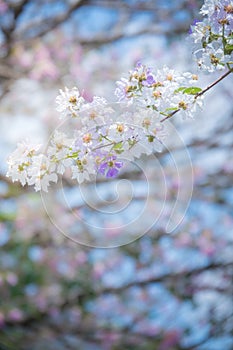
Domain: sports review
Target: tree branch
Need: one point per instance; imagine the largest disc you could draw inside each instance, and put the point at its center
(50, 25)
(140, 283)
(200, 93)
(175, 275)
(214, 83)
(17, 10)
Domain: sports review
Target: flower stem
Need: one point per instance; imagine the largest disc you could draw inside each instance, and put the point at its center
(214, 83)
(104, 145)
(170, 115)
(201, 93)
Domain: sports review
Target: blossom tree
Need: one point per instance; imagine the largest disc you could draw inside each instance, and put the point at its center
(162, 291)
(24, 23)
(155, 96)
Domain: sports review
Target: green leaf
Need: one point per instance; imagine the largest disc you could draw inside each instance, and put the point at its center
(117, 146)
(171, 109)
(119, 151)
(192, 90)
(180, 89)
(150, 138)
(213, 37)
(204, 44)
(228, 49)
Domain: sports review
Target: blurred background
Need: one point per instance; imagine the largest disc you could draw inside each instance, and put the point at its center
(161, 291)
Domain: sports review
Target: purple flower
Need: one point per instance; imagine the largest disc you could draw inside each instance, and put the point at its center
(110, 167)
(149, 80)
(102, 168)
(193, 24)
(112, 172)
(138, 64)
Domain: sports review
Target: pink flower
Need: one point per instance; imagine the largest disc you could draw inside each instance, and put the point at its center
(15, 315)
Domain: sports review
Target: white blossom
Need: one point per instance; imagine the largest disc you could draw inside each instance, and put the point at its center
(69, 102)
(105, 133)
(41, 173)
(59, 151)
(83, 169)
(95, 113)
(20, 160)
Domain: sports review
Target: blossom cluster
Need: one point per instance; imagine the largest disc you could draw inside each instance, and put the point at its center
(213, 37)
(106, 135)
(165, 91)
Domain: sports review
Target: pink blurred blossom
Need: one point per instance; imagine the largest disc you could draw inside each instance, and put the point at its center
(2, 320)
(171, 339)
(15, 315)
(11, 278)
(3, 7)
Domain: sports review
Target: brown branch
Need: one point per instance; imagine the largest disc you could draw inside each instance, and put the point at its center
(17, 10)
(170, 115)
(175, 275)
(214, 83)
(155, 30)
(122, 5)
(200, 93)
(141, 283)
(52, 24)
(146, 6)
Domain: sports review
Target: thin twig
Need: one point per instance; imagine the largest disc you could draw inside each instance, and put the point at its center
(104, 145)
(200, 93)
(169, 115)
(214, 83)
